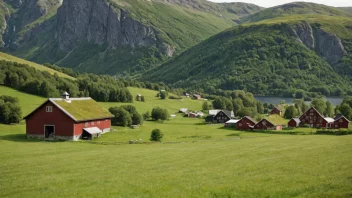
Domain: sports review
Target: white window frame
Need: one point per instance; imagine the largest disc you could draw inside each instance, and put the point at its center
(49, 109)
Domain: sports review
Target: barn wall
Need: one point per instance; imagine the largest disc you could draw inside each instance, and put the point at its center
(63, 124)
(340, 125)
(292, 123)
(244, 124)
(101, 124)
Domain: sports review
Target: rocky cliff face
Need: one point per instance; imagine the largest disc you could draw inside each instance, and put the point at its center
(97, 22)
(325, 44)
(28, 12)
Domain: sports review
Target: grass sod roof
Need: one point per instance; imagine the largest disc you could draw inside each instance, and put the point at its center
(83, 109)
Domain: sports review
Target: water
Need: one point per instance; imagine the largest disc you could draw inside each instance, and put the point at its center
(277, 100)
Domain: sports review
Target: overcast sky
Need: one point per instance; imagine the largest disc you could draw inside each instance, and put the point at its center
(271, 3)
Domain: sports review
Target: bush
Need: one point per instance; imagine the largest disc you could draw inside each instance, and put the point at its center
(163, 95)
(10, 110)
(121, 117)
(159, 114)
(175, 98)
(156, 135)
(146, 115)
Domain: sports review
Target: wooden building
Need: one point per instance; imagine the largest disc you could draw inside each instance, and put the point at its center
(294, 122)
(276, 110)
(197, 97)
(340, 122)
(264, 124)
(313, 118)
(246, 123)
(68, 119)
(222, 116)
(231, 123)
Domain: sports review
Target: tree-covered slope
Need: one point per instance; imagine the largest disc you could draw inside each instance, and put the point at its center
(121, 37)
(294, 9)
(294, 55)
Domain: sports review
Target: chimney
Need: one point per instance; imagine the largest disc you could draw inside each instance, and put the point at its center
(65, 96)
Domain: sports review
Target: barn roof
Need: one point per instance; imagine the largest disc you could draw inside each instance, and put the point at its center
(251, 119)
(297, 120)
(79, 109)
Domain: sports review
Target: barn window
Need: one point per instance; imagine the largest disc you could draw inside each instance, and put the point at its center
(98, 122)
(49, 109)
(86, 124)
(239, 124)
(340, 120)
(92, 123)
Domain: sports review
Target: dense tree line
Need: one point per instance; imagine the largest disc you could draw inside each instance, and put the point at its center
(240, 102)
(10, 110)
(27, 79)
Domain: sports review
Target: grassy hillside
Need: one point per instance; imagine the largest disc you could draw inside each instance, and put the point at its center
(346, 9)
(7, 57)
(28, 102)
(263, 58)
(294, 9)
(180, 24)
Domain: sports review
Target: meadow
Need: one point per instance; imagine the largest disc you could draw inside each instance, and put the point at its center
(194, 160)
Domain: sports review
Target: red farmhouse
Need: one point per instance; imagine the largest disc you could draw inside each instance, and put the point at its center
(246, 123)
(68, 119)
(341, 122)
(294, 122)
(314, 119)
(276, 110)
(264, 124)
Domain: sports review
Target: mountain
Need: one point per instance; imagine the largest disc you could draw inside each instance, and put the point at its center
(295, 55)
(294, 9)
(346, 9)
(121, 37)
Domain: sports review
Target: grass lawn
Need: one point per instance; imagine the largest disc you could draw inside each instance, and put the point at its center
(194, 160)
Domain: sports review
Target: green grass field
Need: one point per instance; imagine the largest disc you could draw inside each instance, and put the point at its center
(194, 160)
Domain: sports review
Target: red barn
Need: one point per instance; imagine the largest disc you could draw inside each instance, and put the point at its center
(264, 124)
(294, 122)
(313, 118)
(68, 119)
(341, 122)
(245, 123)
(276, 110)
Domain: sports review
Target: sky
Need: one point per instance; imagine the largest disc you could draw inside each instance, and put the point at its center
(271, 3)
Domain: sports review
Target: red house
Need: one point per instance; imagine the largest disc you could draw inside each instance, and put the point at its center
(276, 110)
(264, 124)
(68, 119)
(313, 118)
(246, 123)
(341, 122)
(294, 122)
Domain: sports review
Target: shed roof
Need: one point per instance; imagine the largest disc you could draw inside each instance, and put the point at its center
(330, 120)
(93, 130)
(297, 120)
(251, 119)
(232, 121)
(79, 109)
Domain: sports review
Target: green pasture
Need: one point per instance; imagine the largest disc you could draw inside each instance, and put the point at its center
(194, 160)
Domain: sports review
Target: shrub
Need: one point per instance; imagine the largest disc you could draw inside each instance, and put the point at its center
(121, 117)
(159, 114)
(10, 110)
(146, 115)
(156, 135)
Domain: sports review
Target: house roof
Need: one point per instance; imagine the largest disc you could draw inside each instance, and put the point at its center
(251, 119)
(92, 130)
(228, 113)
(214, 111)
(79, 109)
(297, 120)
(339, 116)
(330, 120)
(315, 110)
(277, 108)
(266, 121)
(232, 121)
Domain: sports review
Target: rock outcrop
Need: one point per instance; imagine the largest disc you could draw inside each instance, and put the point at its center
(96, 21)
(325, 44)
